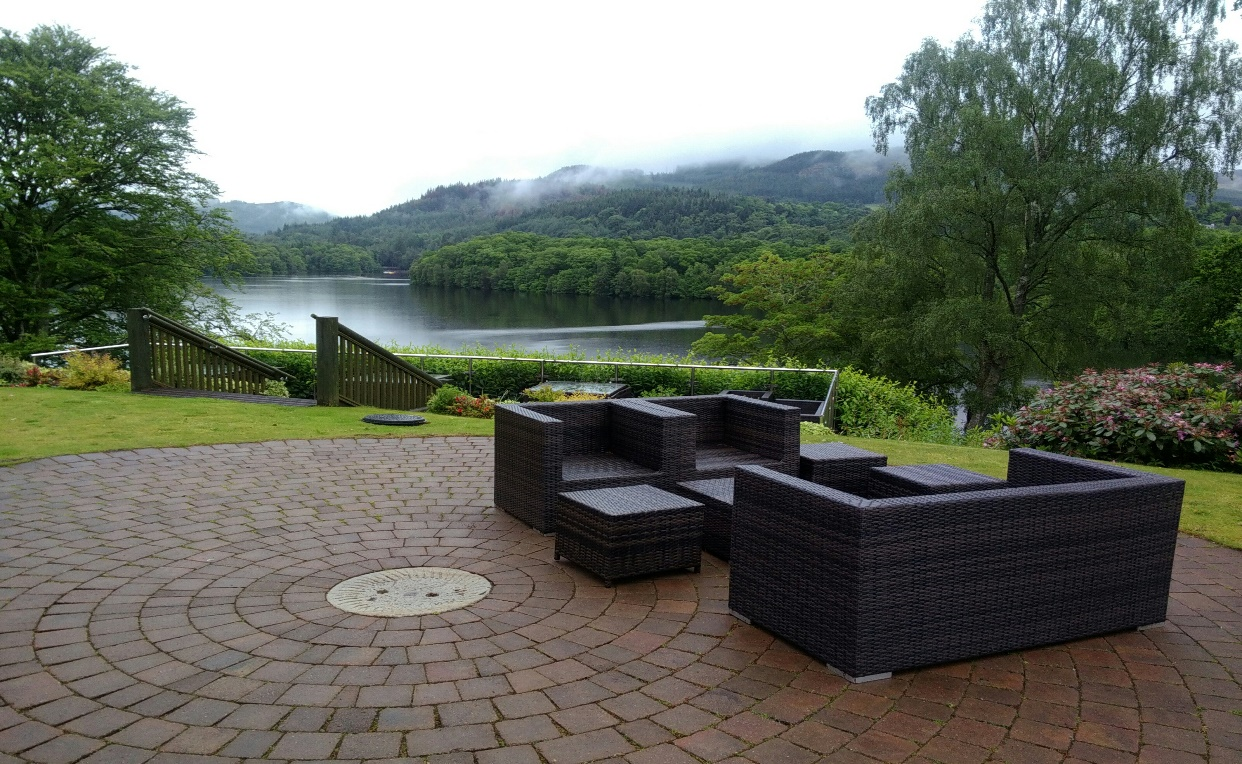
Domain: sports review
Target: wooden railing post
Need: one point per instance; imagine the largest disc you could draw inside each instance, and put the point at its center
(139, 349)
(327, 371)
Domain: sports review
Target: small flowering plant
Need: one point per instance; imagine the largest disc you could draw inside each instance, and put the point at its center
(1179, 415)
(476, 408)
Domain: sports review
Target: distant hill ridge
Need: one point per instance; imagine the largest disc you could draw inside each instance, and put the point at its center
(257, 218)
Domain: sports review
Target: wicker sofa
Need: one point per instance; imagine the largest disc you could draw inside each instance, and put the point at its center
(543, 449)
(1067, 549)
(731, 430)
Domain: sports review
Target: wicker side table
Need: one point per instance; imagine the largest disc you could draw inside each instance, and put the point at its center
(839, 466)
(924, 479)
(717, 498)
(629, 531)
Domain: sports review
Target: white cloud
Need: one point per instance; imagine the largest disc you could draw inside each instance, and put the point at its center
(357, 106)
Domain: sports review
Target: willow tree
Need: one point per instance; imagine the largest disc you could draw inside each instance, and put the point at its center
(98, 211)
(1051, 155)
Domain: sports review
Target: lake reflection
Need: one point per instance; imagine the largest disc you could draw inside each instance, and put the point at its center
(390, 310)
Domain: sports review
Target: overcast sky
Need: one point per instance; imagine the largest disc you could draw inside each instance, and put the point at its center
(356, 106)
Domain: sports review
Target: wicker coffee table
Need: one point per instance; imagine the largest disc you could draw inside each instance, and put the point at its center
(924, 479)
(839, 466)
(629, 531)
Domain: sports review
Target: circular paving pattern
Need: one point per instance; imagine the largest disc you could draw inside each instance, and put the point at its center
(409, 591)
(166, 604)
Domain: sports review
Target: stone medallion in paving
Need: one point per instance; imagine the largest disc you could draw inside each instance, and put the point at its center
(168, 604)
(409, 591)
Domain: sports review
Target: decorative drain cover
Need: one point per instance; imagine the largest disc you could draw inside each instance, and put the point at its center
(409, 591)
(401, 420)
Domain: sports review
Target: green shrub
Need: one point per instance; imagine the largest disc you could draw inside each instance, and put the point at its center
(90, 371)
(13, 370)
(275, 388)
(876, 407)
(299, 366)
(441, 401)
(113, 387)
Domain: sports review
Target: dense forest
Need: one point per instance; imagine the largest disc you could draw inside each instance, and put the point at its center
(396, 237)
(527, 262)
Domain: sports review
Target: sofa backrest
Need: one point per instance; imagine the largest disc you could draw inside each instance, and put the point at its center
(586, 424)
(710, 411)
(1028, 466)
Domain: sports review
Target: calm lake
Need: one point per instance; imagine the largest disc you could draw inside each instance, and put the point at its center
(390, 310)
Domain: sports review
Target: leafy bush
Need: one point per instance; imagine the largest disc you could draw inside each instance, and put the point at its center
(90, 371)
(13, 370)
(441, 401)
(876, 407)
(1177, 415)
(113, 387)
(299, 366)
(275, 388)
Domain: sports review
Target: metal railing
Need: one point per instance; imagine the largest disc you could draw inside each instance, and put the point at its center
(829, 418)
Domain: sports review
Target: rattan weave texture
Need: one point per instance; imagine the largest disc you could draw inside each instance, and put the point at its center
(923, 479)
(629, 531)
(1070, 549)
(543, 449)
(716, 495)
(839, 465)
(731, 430)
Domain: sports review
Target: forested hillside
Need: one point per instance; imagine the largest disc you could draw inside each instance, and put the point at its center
(271, 216)
(527, 262)
(854, 177)
(396, 237)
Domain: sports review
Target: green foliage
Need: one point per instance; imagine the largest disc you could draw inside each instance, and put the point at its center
(1043, 213)
(1179, 415)
(299, 366)
(441, 401)
(1200, 315)
(98, 212)
(545, 394)
(525, 262)
(275, 388)
(787, 309)
(559, 208)
(89, 371)
(13, 370)
(875, 407)
(300, 254)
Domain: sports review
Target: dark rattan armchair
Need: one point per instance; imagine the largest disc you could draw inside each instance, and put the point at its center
(543, 449)
(1068, 549)
(732, 431)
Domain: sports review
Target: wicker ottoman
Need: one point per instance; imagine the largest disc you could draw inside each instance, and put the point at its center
(839, 466)
(630, 531)
(925, 479)
(717, 498)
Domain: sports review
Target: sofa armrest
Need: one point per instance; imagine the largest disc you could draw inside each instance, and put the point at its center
(529, 452)
(654, 436)
(764, 428)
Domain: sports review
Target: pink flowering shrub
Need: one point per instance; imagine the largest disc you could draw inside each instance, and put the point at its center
(1174, 416)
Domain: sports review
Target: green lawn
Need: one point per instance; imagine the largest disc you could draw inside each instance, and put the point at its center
(39, 422)
(43, 421)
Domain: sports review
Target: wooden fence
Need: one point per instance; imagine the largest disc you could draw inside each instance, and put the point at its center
(351, 370)
(166, 354)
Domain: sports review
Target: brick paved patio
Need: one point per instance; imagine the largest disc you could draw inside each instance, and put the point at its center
(168, 605)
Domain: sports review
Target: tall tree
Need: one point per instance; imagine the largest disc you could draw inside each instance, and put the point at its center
(1051, 154)
(98, 212)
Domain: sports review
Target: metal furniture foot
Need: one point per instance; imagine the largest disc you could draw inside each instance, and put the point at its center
(859, 679)
(739, 616)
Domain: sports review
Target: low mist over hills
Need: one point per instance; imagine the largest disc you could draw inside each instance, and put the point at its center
(809, 198)
(271, 216)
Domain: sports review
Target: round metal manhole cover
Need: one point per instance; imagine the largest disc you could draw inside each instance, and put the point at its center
(409, 591)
